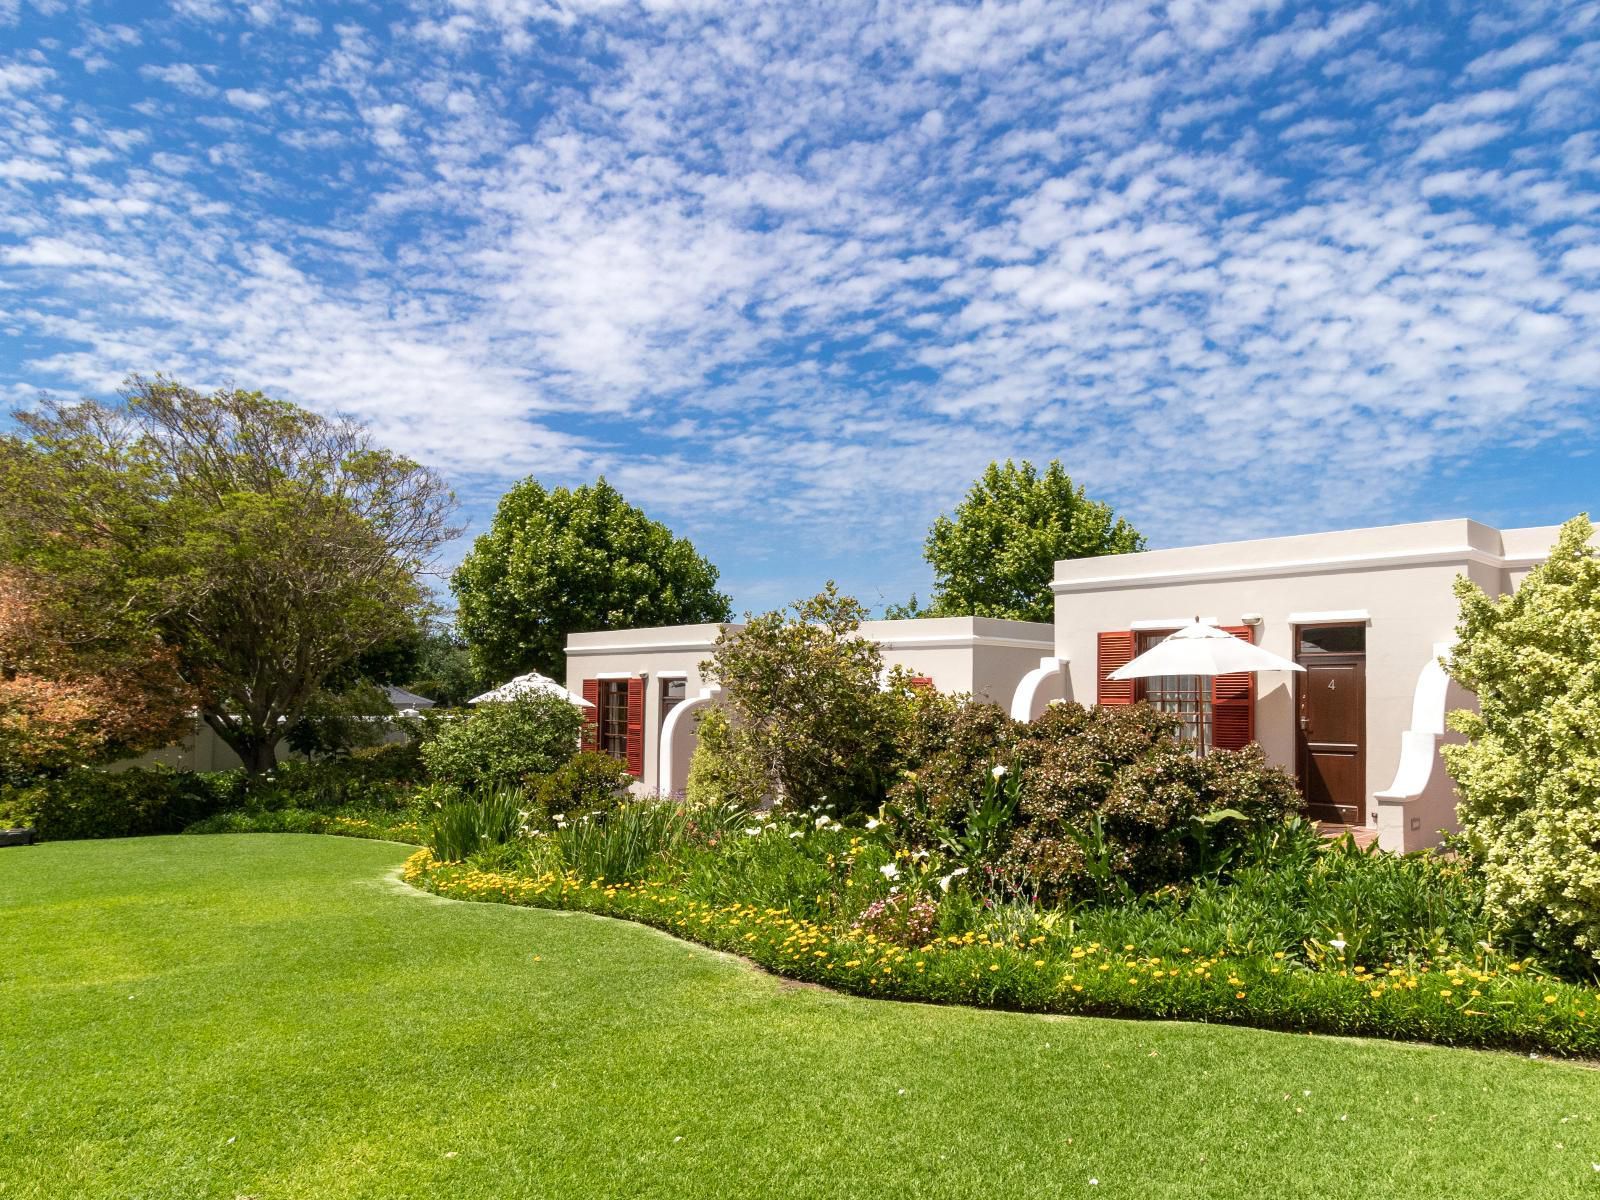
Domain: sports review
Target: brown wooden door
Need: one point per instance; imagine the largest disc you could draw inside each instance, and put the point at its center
(1332, 738)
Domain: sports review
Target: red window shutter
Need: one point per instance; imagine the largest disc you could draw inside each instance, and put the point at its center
(1233, 702)
(635, 758)
(1115, 650)
(923, 683)
(591, 715)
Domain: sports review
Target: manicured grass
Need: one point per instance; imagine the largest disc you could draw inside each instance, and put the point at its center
(274, 1016)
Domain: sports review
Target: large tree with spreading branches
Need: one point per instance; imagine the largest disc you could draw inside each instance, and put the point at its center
(266, 547)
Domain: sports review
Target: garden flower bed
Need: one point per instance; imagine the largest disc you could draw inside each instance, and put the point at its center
(1481, 1002)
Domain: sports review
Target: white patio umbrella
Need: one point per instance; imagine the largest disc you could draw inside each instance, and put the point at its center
(1202, 650)
(527, 684)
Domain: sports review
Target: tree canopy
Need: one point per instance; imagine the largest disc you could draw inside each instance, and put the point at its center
(1529, 774)
(558, 561)
(996, 557)
(77, 684)
(266, 546)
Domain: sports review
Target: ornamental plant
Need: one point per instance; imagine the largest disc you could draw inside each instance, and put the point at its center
(504, 742)
(1111, 792)
(807, 713)
(1529, 774)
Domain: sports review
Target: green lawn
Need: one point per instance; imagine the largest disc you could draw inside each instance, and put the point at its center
(274, 1016)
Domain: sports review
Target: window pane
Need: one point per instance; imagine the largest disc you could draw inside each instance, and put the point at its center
(673, 692)
(1187, 697)
(1333, 639)
(614, 718)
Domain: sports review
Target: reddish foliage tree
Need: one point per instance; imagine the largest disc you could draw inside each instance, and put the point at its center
(70, 692)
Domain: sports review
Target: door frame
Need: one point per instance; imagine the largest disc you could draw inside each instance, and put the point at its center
(1301, 755)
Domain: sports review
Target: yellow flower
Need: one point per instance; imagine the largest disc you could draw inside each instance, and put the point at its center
(1038, 962)
(1550, 999)
(1238, 995)
(1444, 991)
(994, 966)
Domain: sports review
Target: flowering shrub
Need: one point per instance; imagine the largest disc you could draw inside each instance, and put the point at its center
(900, 919)
(1529, 775)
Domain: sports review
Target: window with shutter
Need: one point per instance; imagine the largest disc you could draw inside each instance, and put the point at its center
(1114, 650)
(634, 755)
(1233, 702)
(591, 715)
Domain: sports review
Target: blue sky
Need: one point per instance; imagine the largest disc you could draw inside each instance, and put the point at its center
(791, 275)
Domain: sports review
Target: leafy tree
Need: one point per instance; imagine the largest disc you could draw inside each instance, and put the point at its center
(338, 720)
(268, 547)
(77, 684)
(556, 562)
(996, 557)
(1529, 774)
(808, 716)
(444, 670)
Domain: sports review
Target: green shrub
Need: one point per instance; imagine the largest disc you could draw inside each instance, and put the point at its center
(806, 709)
(85, 803)
(1110, 792)
(952, 747)
(504, 743)
(722, 770)
(587, 782)
(1529, 775)
(377, 782)
(463, 827)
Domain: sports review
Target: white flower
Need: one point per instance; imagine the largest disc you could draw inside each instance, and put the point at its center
(821, 821)
(920, 855)
(944, 880)
(798, 833)
(835, 827)
(998, 772)
(889, 871)
(754, 832)
(1338, 944)
(873, 822)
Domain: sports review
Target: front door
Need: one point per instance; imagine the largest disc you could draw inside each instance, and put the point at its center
(1333, 722)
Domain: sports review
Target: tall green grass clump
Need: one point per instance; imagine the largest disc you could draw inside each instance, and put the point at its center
(463, 827)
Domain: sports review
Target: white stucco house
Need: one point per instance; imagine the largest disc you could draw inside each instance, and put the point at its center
(1367, 612)
(646, 685)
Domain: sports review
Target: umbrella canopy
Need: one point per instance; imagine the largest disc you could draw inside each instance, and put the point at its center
(1202, 650)
(528, 684)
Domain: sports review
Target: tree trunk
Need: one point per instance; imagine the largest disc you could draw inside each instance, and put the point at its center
(257, 752)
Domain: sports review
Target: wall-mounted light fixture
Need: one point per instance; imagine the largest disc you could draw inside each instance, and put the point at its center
(1250, 618)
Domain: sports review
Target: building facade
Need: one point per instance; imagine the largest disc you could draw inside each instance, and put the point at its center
(646, 685)
(1367, 612)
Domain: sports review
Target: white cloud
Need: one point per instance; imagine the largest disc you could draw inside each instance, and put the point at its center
(183, 76)
(244, 98)
(1461, 139)
(1528, 50)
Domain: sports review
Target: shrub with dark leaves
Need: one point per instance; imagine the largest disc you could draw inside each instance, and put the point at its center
(1113, 791)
